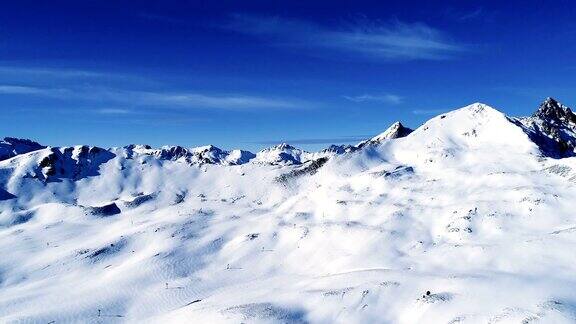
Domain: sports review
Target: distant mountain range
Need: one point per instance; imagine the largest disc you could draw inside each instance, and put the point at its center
(552, 127)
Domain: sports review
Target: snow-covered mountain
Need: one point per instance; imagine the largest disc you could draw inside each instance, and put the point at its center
(465, 219)
(209, 154)
(283, 154)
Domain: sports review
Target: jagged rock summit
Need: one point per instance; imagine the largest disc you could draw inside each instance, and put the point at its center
(208, 154)
(72, 162)
(554, 112)
(10, 147)
(552, 127)
(396, 130)
(339, 149)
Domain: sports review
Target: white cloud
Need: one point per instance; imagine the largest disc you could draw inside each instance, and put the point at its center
(28, 90)
(385, 98)
(12, 89)
(212, 101)
(42, 76)
(113, 111)
(391, 41)
(159, 99)
(49, 72)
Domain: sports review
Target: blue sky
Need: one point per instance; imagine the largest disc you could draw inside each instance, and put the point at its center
(240, 75)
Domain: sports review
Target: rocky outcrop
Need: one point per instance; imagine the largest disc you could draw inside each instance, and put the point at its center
(72, 163)
(10, 147)
(552, 127)
(396, 130)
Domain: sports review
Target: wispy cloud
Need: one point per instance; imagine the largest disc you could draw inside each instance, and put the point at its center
(28, 90)
(113, 111)
(370, 39)
(50, 72)
(34, 76)
(211, 101)
(153, 117)
(160, 99)
(150, 122)
(14, 89)
(385, 98)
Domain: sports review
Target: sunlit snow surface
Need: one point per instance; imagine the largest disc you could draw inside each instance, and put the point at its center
(464, 208)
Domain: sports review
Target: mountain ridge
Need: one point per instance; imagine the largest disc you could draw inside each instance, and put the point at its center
(552, 126)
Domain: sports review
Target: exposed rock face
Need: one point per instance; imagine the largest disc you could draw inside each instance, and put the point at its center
(553, 128)
(173, 153)
(309, 169)
(72, 162)
(555, 113)
(10, 147)
(397, 130)
(339, 149)
(105, 210)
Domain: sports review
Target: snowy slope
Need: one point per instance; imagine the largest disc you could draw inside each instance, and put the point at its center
(467, 219)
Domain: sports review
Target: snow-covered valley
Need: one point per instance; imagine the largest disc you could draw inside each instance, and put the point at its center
(469, 218)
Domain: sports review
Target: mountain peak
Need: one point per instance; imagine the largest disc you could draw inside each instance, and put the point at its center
(206, 148)
(553, 128)
(396, 130)
(554, 111)
(479, 108)
(281, 147)
(284, 154)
